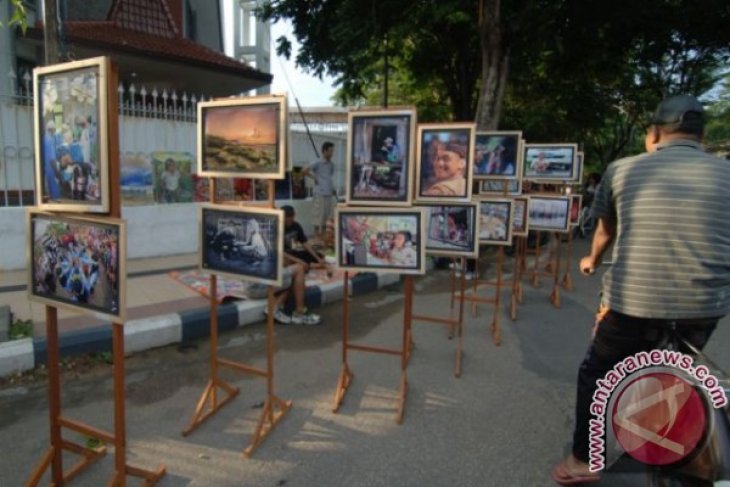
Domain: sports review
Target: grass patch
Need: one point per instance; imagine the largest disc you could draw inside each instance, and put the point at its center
(21, 329)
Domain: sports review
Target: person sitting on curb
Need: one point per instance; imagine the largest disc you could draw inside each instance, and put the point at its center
(296, 247)
(292, 280)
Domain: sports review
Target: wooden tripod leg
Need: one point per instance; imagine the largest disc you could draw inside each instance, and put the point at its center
(209, 404)
(121, 469)
(88, 456)
(535, 279)
(496, 330)
(343, 383)
(402, 396)
(40, 469)
(459, 334)
(273, 412)
(274, 408)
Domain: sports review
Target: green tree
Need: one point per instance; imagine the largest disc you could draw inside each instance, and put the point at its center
(19, 16)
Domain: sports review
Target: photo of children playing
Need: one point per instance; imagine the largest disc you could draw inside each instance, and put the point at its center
(69, 147)
(380, 147)
(76, 263)
(379, 240)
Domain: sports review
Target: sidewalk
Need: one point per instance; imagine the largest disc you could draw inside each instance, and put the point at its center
(160, 311)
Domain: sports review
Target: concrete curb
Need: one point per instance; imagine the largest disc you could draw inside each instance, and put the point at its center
(143, 334)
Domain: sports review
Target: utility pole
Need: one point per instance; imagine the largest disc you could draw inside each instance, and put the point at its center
(51, 32)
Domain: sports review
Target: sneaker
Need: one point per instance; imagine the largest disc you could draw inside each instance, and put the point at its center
(305, 318)
(279, 316)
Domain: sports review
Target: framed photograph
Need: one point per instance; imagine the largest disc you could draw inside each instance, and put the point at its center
(579, 161)
(242, 242)
(520, 227)
(379, 157)
(445, 162)
(78, 263)
(494, 187)
(452, 230)
(498, 155)
(495, 221)
(380, 239)
(576, 204)
(243, 137)
(549, 162)
(551, 213)
(71, 120)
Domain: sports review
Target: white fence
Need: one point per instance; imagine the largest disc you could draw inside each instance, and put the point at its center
(150, 122)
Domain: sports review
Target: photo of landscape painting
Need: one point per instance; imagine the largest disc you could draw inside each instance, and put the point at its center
(241, 139)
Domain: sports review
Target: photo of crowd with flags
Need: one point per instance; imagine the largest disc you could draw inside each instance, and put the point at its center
(76, 263)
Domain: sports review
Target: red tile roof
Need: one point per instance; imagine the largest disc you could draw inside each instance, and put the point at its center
(148, 16)
(112, 37)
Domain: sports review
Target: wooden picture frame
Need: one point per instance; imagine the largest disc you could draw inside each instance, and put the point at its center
(579, 163)
(452, 230)
(495, 221)
(549, 213)
(549, 162)
(520, 220)
(451, 145)
(576, 205)
(380, 151)
(366, 239)
(246, 243)
(71, 130)
(495, 187)
(243, 137)
(498, 155)
(78, 263)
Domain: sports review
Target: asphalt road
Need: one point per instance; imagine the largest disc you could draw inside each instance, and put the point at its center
(505, 422)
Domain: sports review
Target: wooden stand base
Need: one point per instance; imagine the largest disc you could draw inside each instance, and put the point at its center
(210, 399)
(88, 457)
(274, 410)
(209, 404)
(346, 375)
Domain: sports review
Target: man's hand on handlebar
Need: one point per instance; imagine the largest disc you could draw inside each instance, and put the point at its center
(588, 265)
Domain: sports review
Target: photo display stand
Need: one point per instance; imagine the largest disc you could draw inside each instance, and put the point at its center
(53, 457)
(554, 271)
(455, 324)
(274, 408)
(498, 283)
(346, 375)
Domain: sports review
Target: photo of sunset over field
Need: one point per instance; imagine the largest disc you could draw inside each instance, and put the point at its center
(241, 139)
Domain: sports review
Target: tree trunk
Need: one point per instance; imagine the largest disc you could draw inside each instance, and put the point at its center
(51, 32)
(495, 65)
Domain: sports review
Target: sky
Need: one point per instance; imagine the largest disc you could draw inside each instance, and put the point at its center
(310, 90)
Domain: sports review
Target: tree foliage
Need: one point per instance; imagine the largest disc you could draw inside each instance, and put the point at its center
(559, 70)
(19, 16)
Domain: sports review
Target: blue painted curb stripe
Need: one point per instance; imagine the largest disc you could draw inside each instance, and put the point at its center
(364, 283)
(90, 340)
(196, 323)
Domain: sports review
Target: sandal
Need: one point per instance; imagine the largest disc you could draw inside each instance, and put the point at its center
(563, 476)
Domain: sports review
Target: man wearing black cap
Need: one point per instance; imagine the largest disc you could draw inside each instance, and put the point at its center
(666, 214)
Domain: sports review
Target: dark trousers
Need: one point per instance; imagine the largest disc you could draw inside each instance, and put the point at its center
(617, 337)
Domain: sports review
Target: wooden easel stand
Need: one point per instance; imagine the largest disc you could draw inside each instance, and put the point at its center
(274, 408)
(452, 323)
(567, 280)
(346, 375)
(475, 299)
(53, 457)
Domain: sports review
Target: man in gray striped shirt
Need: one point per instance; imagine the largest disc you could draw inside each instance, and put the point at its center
(667, 212)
